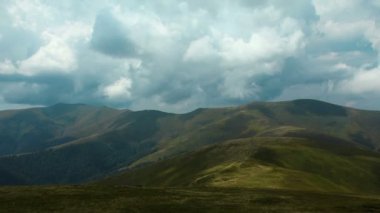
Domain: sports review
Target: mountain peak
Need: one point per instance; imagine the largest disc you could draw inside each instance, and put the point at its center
(318, 107)
(311, 101)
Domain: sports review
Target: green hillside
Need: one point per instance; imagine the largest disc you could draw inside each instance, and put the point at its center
(191, 131)
(324, 164)
(77, 143)
(136, 199)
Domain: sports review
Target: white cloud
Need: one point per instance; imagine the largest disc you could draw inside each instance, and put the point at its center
(339, 22)
(6, 67)
(342, 67)
(340, 9)
(58, 53)
(30, 14)
(200, 50)
(344, 30)
(266, 44)
(119, 90)
(363, 81)
(53, 57)
(373, 35)
(147, 29)
(191, 53)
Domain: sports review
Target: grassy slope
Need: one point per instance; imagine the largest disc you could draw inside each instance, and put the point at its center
(183, 133)
(266, 162)
(128, 199)
(92, 142)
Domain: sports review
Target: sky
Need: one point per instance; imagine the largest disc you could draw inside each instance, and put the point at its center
(177, 56)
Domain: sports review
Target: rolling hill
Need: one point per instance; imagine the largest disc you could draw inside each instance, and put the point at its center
(320, 163)
(317, 145)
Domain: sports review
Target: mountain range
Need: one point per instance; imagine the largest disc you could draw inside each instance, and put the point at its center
(300, 145)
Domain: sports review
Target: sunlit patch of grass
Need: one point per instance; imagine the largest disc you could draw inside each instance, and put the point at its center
(265, 162)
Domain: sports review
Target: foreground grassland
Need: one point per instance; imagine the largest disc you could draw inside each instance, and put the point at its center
(129, 199)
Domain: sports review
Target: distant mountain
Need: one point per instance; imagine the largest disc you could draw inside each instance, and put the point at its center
(77, 143)
(30, 130)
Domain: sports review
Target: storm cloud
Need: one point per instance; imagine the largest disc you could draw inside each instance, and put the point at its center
(180, 55)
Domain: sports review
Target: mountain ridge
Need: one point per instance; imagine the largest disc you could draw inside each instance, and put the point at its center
(68, 143)
(315, 101)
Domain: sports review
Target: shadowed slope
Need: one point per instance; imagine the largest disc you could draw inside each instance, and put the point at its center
(89, 157)
(36, 129)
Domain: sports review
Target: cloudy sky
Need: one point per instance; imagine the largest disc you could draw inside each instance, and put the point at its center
(177, 55)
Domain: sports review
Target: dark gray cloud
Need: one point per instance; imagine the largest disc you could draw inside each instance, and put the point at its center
(38, 90)
(180, 55)
(110, 37)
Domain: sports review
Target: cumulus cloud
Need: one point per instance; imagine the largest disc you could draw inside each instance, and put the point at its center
(180, 55)
(7, 67)
(55, 55)
(200, 50)
(119, 90)
(363, 81)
